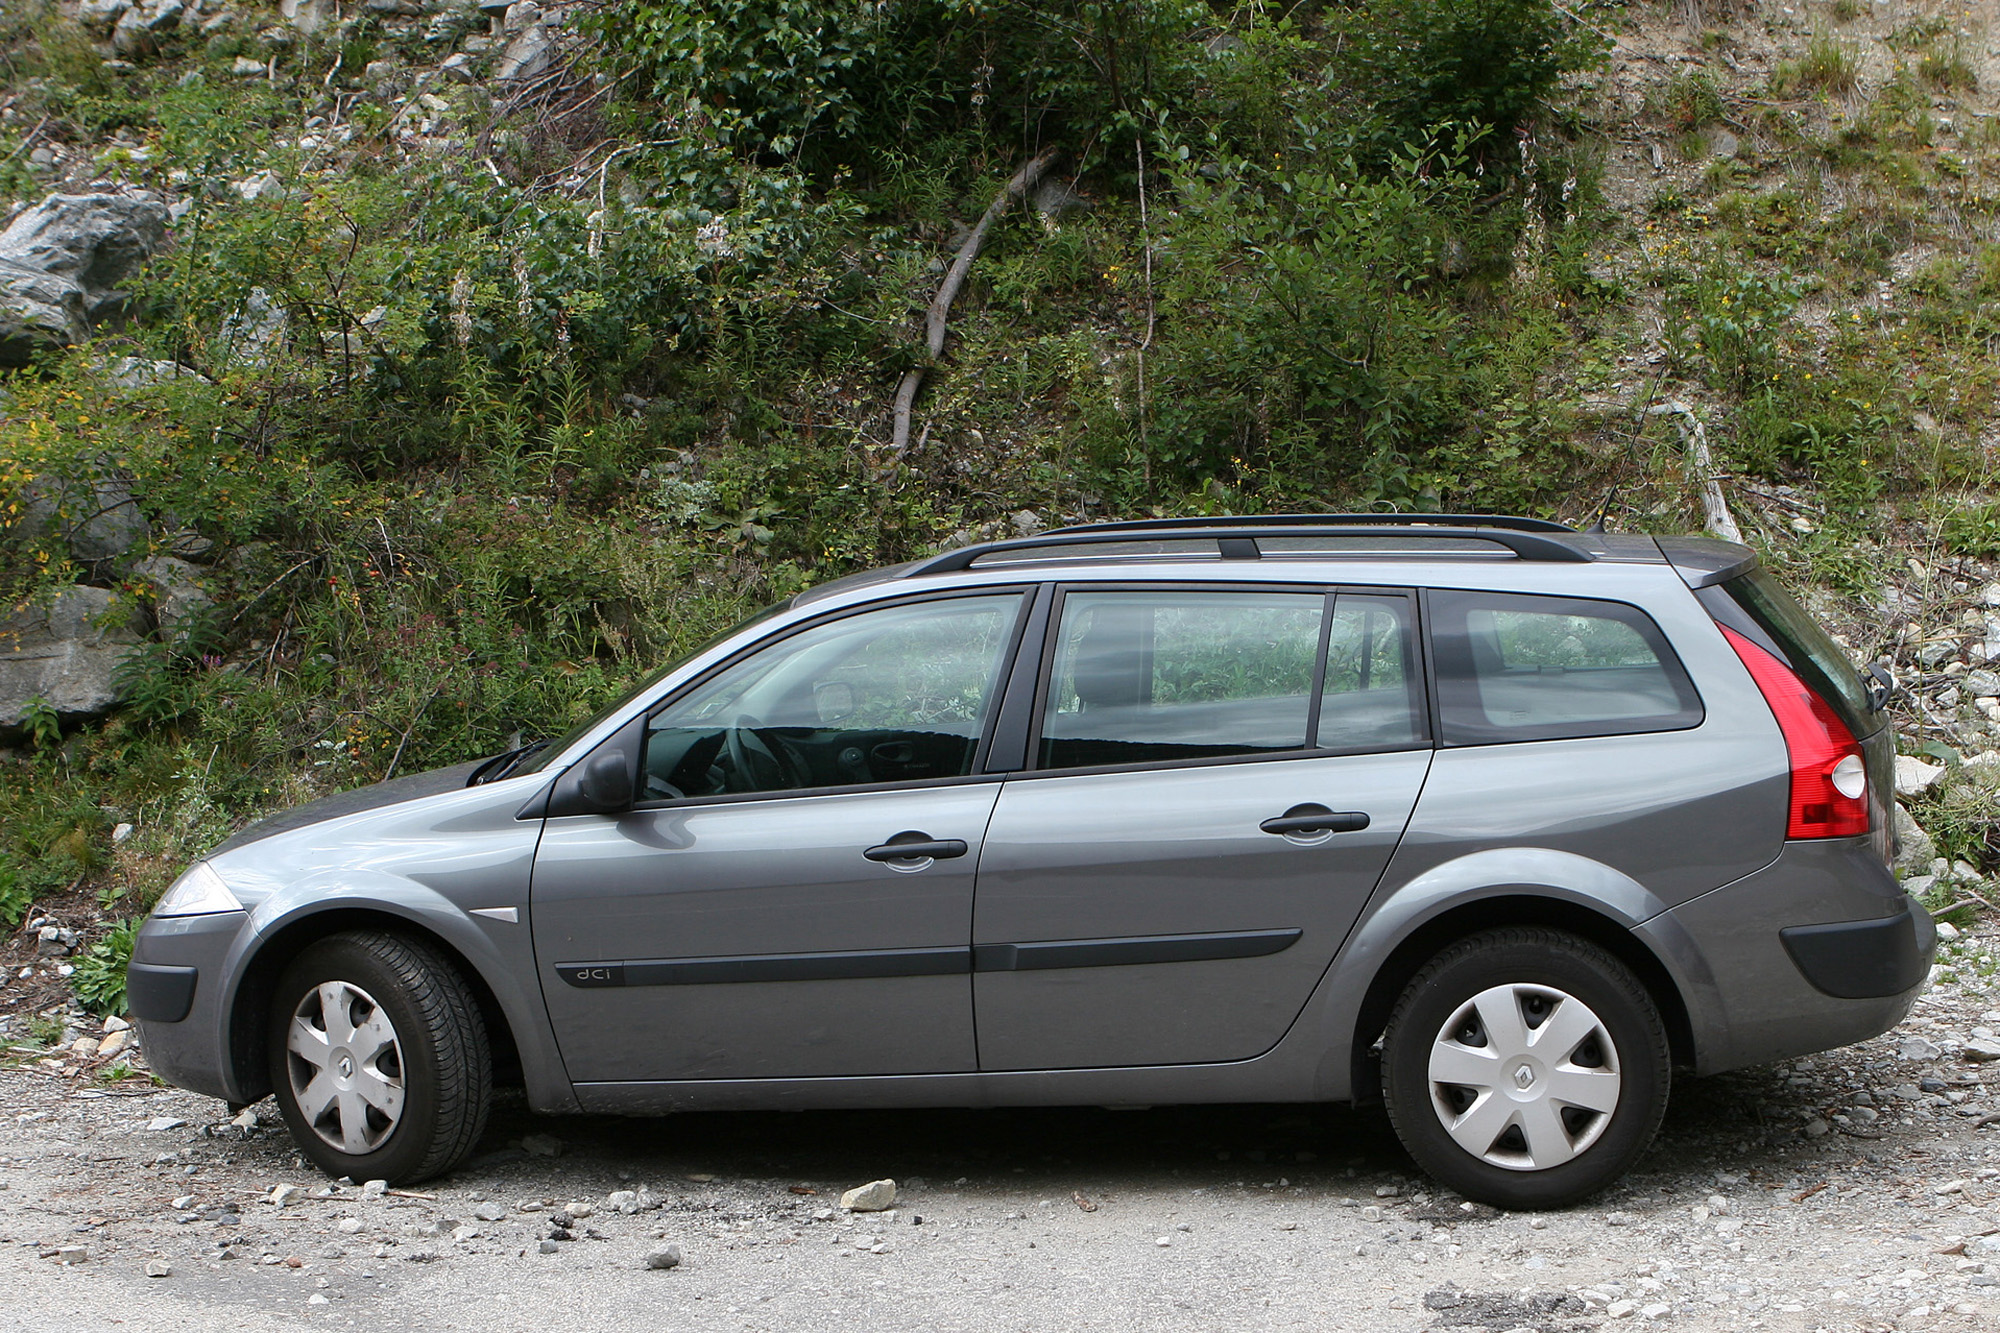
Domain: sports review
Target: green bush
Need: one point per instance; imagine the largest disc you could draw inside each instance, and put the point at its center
(100, 973)
(1497, 65)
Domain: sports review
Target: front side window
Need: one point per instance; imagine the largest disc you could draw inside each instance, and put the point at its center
(891, 695)
(1513, 667)
(1150, 677)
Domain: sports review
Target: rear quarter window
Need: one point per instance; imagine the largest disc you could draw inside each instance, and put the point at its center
(1512, 667)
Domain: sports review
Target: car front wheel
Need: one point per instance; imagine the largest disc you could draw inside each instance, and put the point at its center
(379, 1058)
(1525, 1067)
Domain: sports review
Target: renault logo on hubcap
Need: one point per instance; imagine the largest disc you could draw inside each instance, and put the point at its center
(1524, 1078)
(347, 1067)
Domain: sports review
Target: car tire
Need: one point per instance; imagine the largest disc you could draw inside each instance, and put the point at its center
(379, 1058)
(1525, 1068)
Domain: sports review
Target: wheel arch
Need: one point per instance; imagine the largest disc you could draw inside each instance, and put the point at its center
(1512, 909)
(248, 1068)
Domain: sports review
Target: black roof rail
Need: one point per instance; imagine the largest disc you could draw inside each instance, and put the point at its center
(1508, 521)
(1238, 540)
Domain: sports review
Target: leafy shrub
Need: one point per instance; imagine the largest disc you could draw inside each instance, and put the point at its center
(1491, 64)
(99, 979)
(827, 84)
(15, 895)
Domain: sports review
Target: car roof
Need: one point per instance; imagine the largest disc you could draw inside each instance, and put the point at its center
(1239, 543)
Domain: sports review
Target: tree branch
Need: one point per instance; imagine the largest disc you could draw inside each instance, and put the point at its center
(934, 321)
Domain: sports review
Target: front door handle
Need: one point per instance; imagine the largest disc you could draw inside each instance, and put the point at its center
(1310, 818)
(917, 847)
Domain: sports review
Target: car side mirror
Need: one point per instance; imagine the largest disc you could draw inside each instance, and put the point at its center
(607, 780)
(606, 784)
(833, 700)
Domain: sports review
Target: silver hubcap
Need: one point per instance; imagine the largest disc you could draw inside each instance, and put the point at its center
(1524, 1077)
(346, 1066)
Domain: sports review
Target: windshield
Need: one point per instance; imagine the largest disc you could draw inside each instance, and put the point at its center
(543, 757)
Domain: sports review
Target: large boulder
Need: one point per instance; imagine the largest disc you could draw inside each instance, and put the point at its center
(65, 655)
(527, 57)
(98, 519)
(61, 264)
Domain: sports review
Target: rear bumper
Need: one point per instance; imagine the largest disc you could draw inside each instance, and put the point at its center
(1821, 948)
(1864, 960)
(175, 988)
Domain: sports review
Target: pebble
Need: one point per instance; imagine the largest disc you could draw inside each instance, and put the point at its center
(667, 1256)
(374, 1189)
(578, 1210)
(548, 1247)
(349, 1225)
(159, 1268)
(490, 1212)
(873, 1197)
(542, 1145)
(1917, 1048)
(161, 1124)
(286, 1195)
(1981, 1049)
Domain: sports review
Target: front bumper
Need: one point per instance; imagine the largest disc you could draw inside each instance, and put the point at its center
(1821, 948)
(175, 986)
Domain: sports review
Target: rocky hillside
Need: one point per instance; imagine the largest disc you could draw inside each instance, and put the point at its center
(386, 379)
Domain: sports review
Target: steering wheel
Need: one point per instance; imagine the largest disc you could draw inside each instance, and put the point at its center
(753, 756)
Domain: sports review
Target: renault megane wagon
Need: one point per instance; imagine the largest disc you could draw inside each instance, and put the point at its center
(1498, 822)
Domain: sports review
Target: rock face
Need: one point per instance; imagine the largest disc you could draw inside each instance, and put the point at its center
(61, 263)
(66, 656)
(100, 520)
(527, 57)
(177, 590)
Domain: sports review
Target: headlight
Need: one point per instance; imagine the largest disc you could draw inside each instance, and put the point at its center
(198, 892)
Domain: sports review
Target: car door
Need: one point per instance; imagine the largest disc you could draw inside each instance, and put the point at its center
(792, 894)
(1220, 775)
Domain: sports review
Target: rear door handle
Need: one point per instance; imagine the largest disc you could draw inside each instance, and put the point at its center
(1311, 818)
(917, 847)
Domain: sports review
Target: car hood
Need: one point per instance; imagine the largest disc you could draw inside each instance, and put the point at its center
(393, 792)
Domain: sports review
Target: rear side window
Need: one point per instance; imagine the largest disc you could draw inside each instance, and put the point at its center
(1522, 668)
(1369, 697)
(1806, 647)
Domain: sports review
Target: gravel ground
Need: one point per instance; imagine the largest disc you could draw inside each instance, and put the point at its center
(1854, 1190)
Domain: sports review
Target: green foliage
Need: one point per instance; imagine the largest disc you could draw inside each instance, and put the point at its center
(42, 723)
(100, 973)
(830, 84)
(15, 896)
(1829, 67)
(1493, 64)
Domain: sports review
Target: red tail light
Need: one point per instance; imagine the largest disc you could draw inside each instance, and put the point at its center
(1829, 776)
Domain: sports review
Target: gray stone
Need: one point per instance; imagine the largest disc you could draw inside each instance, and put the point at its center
(490, 1212)
(177, 590)
(61, 263)
(520, 16)
(549, 1247)
(1917, 1048)
(158, 1268)
(1980, 1050)
(101, 14)
(873, 1197)
(459, 69)
(527, 57)
(305, 15)
(1981, 684)
(1914, 848)
(65, 655)
(286, 1195)
(248, 333)
(243, 67)
(542, 1145)
(1914, 777)
(667, 1256)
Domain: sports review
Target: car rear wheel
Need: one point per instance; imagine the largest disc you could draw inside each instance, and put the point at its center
(1525, 1068)
(379, 1058)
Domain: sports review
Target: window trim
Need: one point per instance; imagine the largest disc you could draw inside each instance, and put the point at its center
(1692, 714)
(1030, 595)
(1331, 593)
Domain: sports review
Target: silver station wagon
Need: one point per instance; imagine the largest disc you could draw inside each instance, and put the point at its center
(1498, 822)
